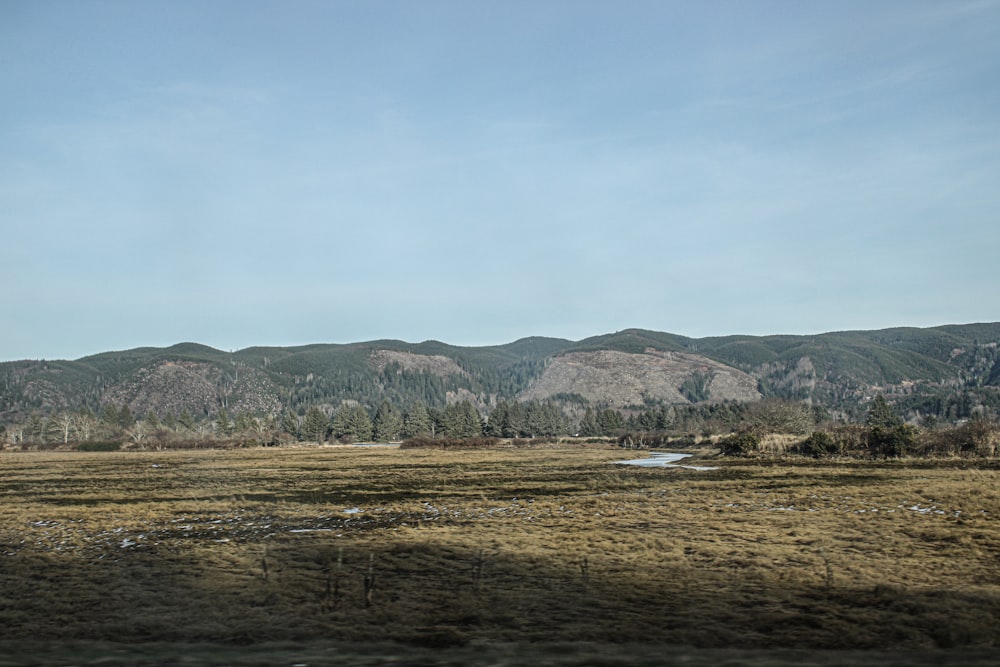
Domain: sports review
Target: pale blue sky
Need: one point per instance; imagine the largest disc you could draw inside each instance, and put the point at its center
(245, 173)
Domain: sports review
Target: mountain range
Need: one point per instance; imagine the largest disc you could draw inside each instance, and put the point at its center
(948, 371)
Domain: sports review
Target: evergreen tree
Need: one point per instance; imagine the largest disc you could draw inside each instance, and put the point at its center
(109, 415)
(461, 420)
(186, 420)
(632, 424)
(446, 421)
(125, 417)
(665, 417)
(544, 419)
(244, 422)
(498, 424)
(223, 426)
(888, 436)
(51, 430)
(388, 423)
(417, 422)
(315, 425)
(610, 421)
(170, 422)
(881, 414)
(589, 427)
(517, 421)
(34, 429)
(352, 424)
(470, 421)
(557, 420)
(646, 421)
(290, 423)
(534, 419)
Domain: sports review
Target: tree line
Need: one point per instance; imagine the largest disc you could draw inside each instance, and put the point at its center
(883, 433)
(352, 421)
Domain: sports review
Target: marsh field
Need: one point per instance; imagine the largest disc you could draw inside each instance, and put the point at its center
(340, 555)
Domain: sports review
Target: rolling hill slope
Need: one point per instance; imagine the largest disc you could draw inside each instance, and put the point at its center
(630, 368)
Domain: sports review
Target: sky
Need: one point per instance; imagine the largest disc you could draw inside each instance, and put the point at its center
(246, 172)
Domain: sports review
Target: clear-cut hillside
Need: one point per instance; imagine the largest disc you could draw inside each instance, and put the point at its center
(622, 379)
(435, 364)
(169, 388)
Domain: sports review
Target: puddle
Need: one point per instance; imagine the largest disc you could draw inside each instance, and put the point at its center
(663, 460)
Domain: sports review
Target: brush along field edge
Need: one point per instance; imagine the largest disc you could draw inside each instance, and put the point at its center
(440, 548)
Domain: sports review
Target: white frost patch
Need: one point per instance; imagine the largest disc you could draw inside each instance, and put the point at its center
(311, 530)
(933, 509)
(353, 510)
(663, 460)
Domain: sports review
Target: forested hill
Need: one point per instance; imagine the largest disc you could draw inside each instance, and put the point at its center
(946, 371)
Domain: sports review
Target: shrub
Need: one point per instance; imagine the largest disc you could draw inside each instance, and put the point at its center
(689, 440)
(777, 416)
(643, 440)
(852, 439)
(939, 441)
(820, 444)
(977, 436)
(740, 444)
(99, 446)
(891, 442)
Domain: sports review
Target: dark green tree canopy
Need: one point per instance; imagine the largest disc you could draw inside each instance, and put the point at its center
(881, 414)
(388, 423)
(352, 423)
(417, 422)
(888, 436)
(290, 423)
(460, 420)
(588, 425)
(315, 425)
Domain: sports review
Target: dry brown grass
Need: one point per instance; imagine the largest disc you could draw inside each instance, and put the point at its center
(556, 545)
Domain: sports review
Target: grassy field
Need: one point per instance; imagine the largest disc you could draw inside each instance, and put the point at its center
(373, 555)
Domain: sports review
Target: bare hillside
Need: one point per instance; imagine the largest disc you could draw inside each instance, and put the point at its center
(435, 364)
(621, 378)
(173, 387)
